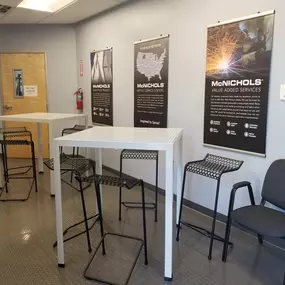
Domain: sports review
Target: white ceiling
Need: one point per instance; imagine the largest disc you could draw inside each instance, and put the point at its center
(77, 11)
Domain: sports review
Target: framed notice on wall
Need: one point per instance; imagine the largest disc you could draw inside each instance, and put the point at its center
(102, 87)
(151, 82)
(237, 83)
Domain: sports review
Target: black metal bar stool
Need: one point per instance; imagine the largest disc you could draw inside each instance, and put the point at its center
(139, 154)
(19, 175)
(79, 166)
(68, 131)
(123, 183)
(212, 166)
(12, 133)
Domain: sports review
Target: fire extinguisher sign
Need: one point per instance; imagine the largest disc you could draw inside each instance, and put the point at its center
(102, 86)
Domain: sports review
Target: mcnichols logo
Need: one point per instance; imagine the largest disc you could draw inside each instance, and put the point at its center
(101, 86)
(150, 85)
(244, 82)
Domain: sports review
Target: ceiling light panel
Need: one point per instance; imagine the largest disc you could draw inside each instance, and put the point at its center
(45, 5)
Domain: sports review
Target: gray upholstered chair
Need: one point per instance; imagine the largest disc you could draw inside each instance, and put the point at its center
(261, 220)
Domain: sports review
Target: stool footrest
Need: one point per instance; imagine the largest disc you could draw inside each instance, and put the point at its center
(77, 224)
(204, 232)
(105, 253)
(138, 205)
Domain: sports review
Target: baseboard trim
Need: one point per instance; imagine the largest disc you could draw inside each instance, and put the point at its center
(199, 208)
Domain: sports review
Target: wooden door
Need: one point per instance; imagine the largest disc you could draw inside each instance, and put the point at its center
(19, 73)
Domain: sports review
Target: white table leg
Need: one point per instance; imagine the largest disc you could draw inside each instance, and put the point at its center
(168, 215)
(51, 155)
(40, 148)
(179, 170)
(58, 206)
(99, 162)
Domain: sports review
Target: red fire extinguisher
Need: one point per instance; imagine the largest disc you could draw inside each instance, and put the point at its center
(79, 99)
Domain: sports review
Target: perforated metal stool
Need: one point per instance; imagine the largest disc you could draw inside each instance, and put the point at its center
(12, 133)
(68, 131)
(7, 171)
(139, 154)
(79, 166)
(122, 183)
(212, 166)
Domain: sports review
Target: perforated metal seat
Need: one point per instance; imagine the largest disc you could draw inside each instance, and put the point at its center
(19, 175)
(123, 183)
(212, 166)
(69, 131)
(79, 166)
(15, 132)
(145, 155)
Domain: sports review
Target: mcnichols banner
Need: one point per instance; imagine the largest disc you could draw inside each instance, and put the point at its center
(237, 83)
(102, 87)
(151, 83)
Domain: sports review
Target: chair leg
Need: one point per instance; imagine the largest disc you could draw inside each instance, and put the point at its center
(214, 220)
(181, 206)
(85, 216)
(34, 165)
(99, 205)
(227, 238)
(156, 190)
(120, 190)
(144, 224)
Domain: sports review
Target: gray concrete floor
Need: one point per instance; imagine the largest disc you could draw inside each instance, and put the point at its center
(28, 232)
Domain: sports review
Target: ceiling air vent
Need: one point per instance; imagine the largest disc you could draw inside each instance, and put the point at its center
(4, 9)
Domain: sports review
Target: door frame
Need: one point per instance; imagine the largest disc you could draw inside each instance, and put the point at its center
(1, 86)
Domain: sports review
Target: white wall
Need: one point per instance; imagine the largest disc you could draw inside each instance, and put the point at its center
(186, 22)
(58, 41)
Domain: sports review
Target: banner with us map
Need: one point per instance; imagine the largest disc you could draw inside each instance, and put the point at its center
(237, 83)
(102, 87)
(151, 83)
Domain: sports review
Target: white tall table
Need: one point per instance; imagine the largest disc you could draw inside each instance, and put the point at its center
(51, 119)
(168, 140)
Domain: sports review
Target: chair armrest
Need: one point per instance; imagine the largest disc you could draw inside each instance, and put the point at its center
(237, 186)
(241, 184)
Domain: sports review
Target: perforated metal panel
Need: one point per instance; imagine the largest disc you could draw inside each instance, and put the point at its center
(139, 154)
(4, 9)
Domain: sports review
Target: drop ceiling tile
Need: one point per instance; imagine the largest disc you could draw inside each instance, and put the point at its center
(23, 16)
(80, 10)
(11, 3)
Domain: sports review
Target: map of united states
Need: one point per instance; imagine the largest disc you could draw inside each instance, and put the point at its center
(150, 64)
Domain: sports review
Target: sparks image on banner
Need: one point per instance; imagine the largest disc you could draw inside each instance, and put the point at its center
(237, 83)
(151, 83)
(102, 87)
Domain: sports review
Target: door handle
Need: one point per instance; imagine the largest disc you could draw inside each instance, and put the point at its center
(8, 108)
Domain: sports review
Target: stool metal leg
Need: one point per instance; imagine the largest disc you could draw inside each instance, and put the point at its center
(34, 165)
(156, 190)
(144, 224)
(100, 212)
(85, 216)
(214, 220)
(120, 191)
(181, 204)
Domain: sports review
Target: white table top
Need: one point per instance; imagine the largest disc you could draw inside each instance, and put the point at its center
(40, 117)
(122, 137)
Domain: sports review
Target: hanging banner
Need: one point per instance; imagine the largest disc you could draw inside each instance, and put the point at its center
(237, 83)
(151, 83)
(102, 87)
